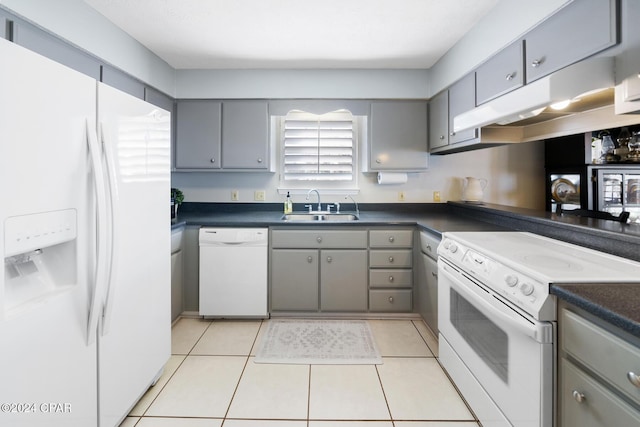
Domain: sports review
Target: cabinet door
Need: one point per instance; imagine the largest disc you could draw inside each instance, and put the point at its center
(198, 134)
(439, 120)
(398, 139)
(294, 280)
(502, 73)
(245, 135)
(581, 29)
(343, 285)
(428, 292)
(462, 98)
(176, 285)
(584, 402)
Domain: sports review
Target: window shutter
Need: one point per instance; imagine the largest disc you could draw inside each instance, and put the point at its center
(318, 148)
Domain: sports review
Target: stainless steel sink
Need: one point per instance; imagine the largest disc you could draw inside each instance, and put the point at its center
(319, 217)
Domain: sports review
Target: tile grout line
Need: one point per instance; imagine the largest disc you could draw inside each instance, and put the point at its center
(235, 390)
(386, 401)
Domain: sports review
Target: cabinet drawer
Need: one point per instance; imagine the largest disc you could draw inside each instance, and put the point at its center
(319, 239)
(600, 407)
(390, 300)
(390, 278)
(429, 244)
(391, 238)
(401, 258)
(606, 354)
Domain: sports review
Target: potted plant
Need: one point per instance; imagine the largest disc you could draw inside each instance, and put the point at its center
(177, 197)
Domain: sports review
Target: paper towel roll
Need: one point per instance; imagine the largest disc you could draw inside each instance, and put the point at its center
(391, 178)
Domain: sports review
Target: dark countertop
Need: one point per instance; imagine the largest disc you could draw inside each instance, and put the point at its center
(618, 304)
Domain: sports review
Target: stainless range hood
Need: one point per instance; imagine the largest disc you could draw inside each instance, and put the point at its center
(525, 114)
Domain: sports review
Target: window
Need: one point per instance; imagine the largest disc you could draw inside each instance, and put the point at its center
(318, 150)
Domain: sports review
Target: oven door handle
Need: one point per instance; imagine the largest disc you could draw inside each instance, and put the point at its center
(538, 331)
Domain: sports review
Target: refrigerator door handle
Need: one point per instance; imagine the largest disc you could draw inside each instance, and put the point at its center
(114, 202)
(102, 234)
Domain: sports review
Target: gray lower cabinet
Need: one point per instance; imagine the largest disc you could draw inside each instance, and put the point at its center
(318, 269)
(391, 270)
(294, 279)
(599, 383)
(343, 280)
(427, 280)
(177, 272)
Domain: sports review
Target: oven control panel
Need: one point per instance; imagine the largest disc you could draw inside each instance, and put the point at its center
(522, 291)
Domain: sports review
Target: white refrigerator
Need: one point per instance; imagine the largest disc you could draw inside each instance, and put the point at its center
(85, 237)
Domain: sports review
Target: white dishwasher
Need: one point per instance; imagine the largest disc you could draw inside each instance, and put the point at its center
(233, 272)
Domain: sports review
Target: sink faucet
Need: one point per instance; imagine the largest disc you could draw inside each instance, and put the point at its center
(355, 203)
(317, 194)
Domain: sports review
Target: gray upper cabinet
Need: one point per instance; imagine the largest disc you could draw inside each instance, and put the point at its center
(45, 44)
(122, 81)
(198, 135)
(502, 73)
(439, 120)
(581, 29)
(462, 98)
(245, 135)
(398, 136)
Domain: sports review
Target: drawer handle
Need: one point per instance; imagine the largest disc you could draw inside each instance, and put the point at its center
(390, 259)
(319, 239)
(428, 247)
(633, 379)
(212, 160)
(509, 76)
(391, 279)
(391, 239)
(259, 160)
(536, 63)
(579, 397)
(309, 258)
(329, 259)
(434, 274)
(391, 299)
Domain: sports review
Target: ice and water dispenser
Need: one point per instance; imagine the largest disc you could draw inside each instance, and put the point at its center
(40, 261)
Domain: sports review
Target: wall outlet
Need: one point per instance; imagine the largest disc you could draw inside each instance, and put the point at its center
(235, 195)
(401, 196)
(258, 195)
(436, 196)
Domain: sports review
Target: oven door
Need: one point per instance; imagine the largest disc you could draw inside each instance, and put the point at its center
(508, 355)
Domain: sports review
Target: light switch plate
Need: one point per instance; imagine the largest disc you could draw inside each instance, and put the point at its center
(258, 195)
(235, 195)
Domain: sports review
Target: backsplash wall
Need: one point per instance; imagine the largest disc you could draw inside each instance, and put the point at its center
(515, 175)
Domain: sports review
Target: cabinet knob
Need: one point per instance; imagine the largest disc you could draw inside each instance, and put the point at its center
(391, 299)
(391, 239)
(510, 76)
(212, 160)
(309, 258)
(434, 274)
(536, 63)
(390, 259)
(441, 136)
(428, 247)
(452, 134)
(579, 397)
(329, 259)
(378, 161)
(259, 160)
(391, 279)
(319, 239)
(633, 379)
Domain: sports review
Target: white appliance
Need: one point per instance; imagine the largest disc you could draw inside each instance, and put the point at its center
(233, 272)
(497, 320)
(85, 238)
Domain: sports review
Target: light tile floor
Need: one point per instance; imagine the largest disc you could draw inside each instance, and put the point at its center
(211, 381)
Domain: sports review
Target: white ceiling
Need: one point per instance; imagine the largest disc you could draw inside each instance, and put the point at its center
(210, 34)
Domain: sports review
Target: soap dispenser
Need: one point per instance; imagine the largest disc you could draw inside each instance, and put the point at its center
(288, 204)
